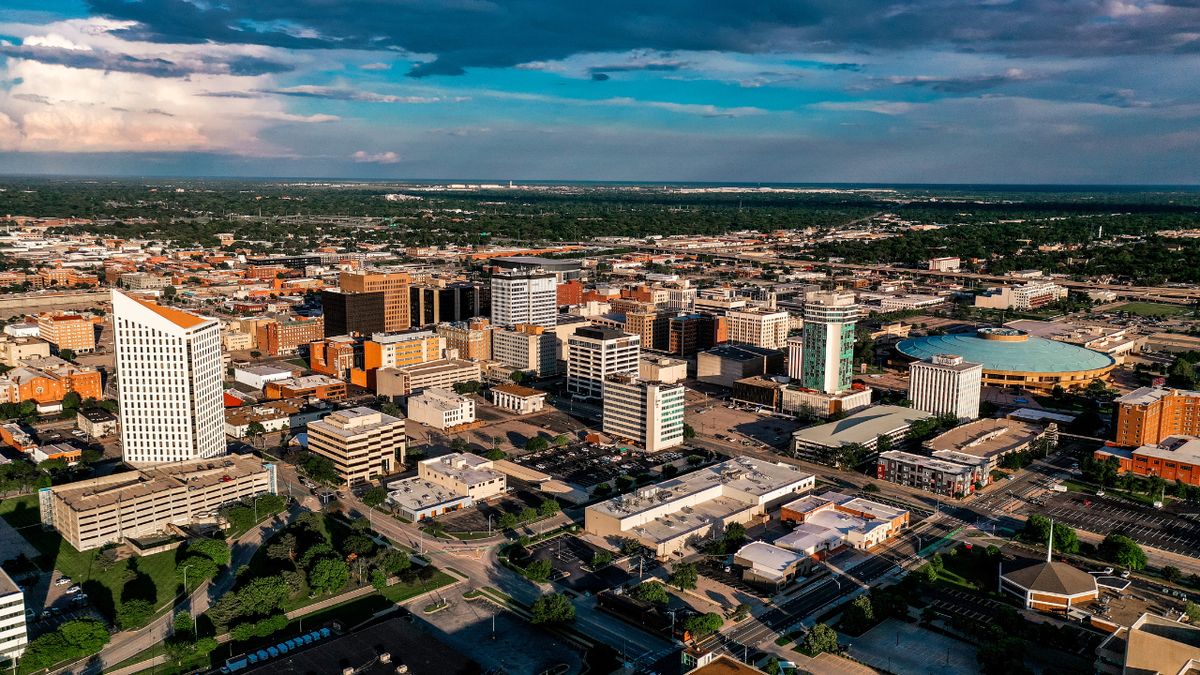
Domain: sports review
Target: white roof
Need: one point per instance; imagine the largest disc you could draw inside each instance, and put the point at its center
(767, 560)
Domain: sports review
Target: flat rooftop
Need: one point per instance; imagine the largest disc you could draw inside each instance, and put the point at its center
(1178, 448)
(864, 426)
(465, 467)
(518, 390)
(147, 480)
(439, 366)
(418, 494)
(693, 519)
(1148, 395)
(927, 462)
(987, 437)
(7, 585)
(753, 477)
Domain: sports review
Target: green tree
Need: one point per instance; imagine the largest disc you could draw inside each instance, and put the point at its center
(527, 514)
(536, 444)
(602, 489)
(1172, 574)
(684, 577)
(284, 548)
(359, 545)
(217, 550)
(460, 445)
(624, 481)
(263, 595)
(1037, 530)
(702, 625)
(168, 292)
(495, 455)
(225, 610)
(539, 570)
(651, 591)
(600, 559)
(329, 576)
(552, 608)
(183, 622)
(69, 355)
(254, 430)
(695, 460)
(379, 579)
(883, 443)
(464, 388)
(508, 521)
(561, 440)
(518, 376)
(1192, 610)
(549, 507)
(375, 497)
(197, 568)
(688, 431)
(820, 638)
(1123, 551)
(134, 614)
(859, 616)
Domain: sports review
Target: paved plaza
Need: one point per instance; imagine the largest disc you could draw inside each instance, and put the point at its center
(908, 649)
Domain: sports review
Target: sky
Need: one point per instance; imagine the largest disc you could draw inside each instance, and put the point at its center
(774, 91)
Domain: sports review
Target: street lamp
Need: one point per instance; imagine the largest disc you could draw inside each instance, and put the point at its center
(256, 508)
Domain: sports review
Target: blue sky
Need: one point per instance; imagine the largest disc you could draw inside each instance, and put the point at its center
(954, 91)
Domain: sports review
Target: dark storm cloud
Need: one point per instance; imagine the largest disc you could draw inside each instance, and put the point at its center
(481, 33)
(93, 59)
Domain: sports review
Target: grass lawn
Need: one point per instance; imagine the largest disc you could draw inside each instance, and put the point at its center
(1072, 486)
(298, 362)
(401, 592)
(21, 511)
(331, 530)
(1149, 309)
(151, 578)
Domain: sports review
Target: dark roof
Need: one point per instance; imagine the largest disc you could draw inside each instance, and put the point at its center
(741, 352)
(1053, 577)
(407, 644)
(96, 415)
(601, 333)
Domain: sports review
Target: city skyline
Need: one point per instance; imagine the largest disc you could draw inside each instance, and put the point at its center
(1021, 92)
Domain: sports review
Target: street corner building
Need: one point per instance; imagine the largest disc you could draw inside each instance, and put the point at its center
(153, 501)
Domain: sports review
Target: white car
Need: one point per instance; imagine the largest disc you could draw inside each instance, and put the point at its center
(74, 589)
(62, 581)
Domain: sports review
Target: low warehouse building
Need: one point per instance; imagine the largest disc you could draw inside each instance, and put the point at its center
(676, 513)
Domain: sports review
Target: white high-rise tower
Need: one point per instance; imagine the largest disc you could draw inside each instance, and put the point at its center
(524, 298)
(169, 365)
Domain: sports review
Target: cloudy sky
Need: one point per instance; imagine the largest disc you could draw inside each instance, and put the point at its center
(924, 91)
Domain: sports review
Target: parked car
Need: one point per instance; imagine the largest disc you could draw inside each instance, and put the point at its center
(62, 581)
(73, 590)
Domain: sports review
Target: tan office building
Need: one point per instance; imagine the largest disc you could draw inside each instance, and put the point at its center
(464, 474)
(393, 285)
(444, 373)
(151, 500)
(362, 443)
(67, 331)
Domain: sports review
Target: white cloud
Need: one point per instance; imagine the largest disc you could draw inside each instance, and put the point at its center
(378, 158)
(881, 107)
(376, 66)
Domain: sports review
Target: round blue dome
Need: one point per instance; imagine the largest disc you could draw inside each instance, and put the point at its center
(1009, 351)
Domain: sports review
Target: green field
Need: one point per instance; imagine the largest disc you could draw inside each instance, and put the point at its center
(1150, 309)
(151, 578)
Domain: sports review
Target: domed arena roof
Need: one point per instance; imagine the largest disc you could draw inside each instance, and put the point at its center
(1006, 349)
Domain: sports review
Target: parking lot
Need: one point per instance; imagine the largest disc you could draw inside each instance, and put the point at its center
(568, 555)
(522, 495)
(712, 418)
(58, 607)
(588, 465)
(1167, 529)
